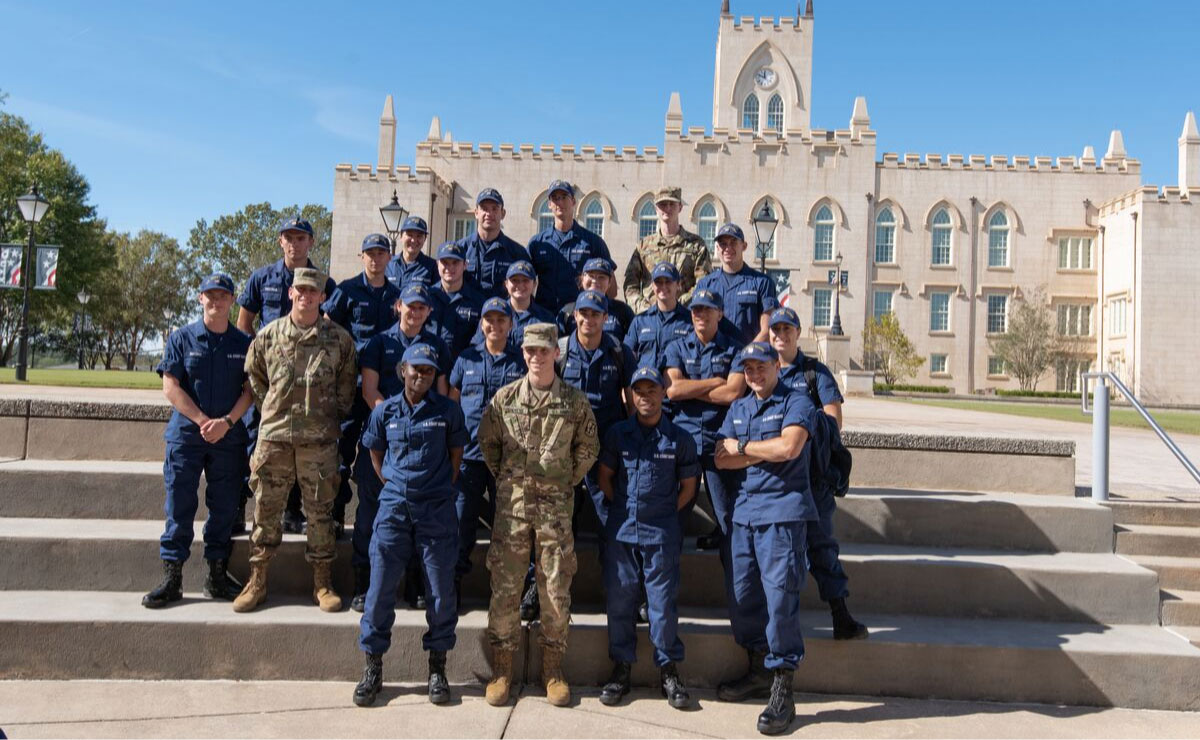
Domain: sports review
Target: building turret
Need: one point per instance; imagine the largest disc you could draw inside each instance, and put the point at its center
(1189, 156)
(387, 136)
(1116, 146)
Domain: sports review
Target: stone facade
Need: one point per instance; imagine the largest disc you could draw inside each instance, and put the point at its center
(946, 242)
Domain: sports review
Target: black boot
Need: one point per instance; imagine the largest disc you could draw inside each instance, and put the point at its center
(293, 521)
(643, 615)
(372, 681)
(171, 588)
(756, 684)
(617, 686)
(710, 541)
(239, 521)
(439, 687)
(339, 519)
(531, 608)
(219, 584)
(846, 627)
(672, 687)
(362, 581)
(781, 709)
(458, 594)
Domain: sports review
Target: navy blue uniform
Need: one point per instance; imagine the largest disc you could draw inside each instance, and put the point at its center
(770, 525)
(616, 322)
(423, 270)
(643, 533)
(653, 330)
(416, 515)
(521, 319)
(211, 370)
(455, 316)
(488, 262)
(559, 257)
(266, 292)
(477, 375)
(747, 295)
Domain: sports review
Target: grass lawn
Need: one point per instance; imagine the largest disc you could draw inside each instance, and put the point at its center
(1183, 422)
(86, 378)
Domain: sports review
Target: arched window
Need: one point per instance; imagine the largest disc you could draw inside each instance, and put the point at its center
(593, 217)
(706, 220)
(885, 237)
(943, 229)
(998, 240)
(647, 219)
(545, 217)
(750, 112)
(823, 235)
(775, 113)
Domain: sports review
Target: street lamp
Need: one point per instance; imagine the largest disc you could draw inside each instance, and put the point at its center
(33, 208)
(393, 217)
(764, 230)
(835, 329)
(83, 297)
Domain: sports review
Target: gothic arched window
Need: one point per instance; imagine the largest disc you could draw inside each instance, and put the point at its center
(775, 113)
(750, 112)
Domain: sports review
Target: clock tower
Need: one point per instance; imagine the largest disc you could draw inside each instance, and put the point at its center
(763, 75)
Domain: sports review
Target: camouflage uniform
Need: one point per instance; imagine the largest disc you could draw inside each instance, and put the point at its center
(303, 382)
(685, 250)
(538, 445)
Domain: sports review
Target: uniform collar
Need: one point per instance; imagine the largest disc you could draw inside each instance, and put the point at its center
(525, 391)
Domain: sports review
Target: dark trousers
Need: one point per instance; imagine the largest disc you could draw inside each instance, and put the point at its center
(768, 575)
(625, 568)
(823, 551)
(474, 480)
(223, 466)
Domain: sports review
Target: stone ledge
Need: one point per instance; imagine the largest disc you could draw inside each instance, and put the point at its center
(98, 410)
(14, 406)
(958, 443)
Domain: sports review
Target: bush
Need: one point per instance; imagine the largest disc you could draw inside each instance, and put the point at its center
(1038, 394)
(887, 388)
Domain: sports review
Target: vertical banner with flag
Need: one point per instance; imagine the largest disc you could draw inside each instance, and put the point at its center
(47, 268)
(10, 265)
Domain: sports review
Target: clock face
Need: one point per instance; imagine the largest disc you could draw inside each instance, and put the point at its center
(764, 77)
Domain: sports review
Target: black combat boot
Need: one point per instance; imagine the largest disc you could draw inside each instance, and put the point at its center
(372, 681)
(219, 584)
(293, 514)
(439, 687)
(339, 519)
(362, 581)
(846, 627)
(643, 615)
(414, 587)
(672, 688)
(756, 684)
(239, 520)
(710, 541)
(618, 685)
(781, 709)
(171, 588)
(531, 608)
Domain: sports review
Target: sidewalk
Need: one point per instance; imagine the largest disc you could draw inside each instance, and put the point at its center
(323, 709)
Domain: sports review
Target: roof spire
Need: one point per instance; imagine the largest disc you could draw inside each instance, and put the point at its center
(1190, 134)
(724, 7)
(808, 10)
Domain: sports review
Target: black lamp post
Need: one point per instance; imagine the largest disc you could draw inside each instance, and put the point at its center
(83, 297)
(393, 218)
(764, 230)
(33, 208)
(835, 329)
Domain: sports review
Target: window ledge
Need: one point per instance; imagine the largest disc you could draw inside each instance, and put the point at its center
(887, 264)
(997, 377)
(993, 334)
(940, 375)
(1003, 268)
(943, 267)
(941, 334)
(1077, 271)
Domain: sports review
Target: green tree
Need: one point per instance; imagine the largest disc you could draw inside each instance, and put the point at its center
(1030, 344)
(888, 351)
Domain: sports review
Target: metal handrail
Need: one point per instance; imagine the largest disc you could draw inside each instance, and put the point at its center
(1100, 428)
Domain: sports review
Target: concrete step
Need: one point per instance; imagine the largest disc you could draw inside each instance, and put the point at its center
(83, 635)
(1191, 634)
(1172, 572)
(118, 555)
(1167, 513)
(1180, 607)
(1153, 539)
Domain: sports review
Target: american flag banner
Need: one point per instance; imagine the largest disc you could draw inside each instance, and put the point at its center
(47, 268)
(10, 265)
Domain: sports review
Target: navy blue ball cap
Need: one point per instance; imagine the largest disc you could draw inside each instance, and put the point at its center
(420, 354)
(665, 270)
(489, 194)
(760, 351)
(415, 293)
(648, 373)
(593, 300)
(296, 223)
(784, 315)
(708, 298)
(562, 185)
(598, 264)
(376, 241)
(218, 281)
(415, 223)
(451, 251)
(521, 267)
(496, 305)
(731, 230)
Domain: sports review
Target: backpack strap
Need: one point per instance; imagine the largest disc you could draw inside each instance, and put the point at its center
(809, 366)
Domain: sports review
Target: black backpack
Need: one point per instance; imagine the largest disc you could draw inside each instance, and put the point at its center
(830, 462)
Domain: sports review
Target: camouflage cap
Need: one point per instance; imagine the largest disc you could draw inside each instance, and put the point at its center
(541, 335)
(668, 194)
(309, 276)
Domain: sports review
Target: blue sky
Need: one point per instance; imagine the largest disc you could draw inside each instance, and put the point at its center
(178, 111)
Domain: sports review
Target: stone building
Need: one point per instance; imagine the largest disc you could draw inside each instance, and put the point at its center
(946, 242)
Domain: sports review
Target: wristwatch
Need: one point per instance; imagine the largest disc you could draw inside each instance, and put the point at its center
(227, 420)
(741, 448)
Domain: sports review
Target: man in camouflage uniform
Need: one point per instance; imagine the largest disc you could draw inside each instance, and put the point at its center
(538, 438)
(302, 374)
(669, 243)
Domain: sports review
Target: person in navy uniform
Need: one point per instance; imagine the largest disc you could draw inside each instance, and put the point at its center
(597, 275)
(559, 253)
(478, 373)
(653, 329)
(520, 283)
(362, 305)
(766, 435)
(265, 298)
(489, 252)
(204, 378)
(824, 563)
(411, 264)
(378, 363)
(648, 472)
(456, 303)
(416, 439)
(750, 295)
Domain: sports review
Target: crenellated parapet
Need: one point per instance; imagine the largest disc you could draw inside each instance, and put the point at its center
(457, 150)
(393, 175)
(1166, 195)
(1003, 163)
(765, 23)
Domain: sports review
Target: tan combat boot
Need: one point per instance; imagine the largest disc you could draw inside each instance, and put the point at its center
(501, 683)
(255, 591)
(323, 593)
(558, 692)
